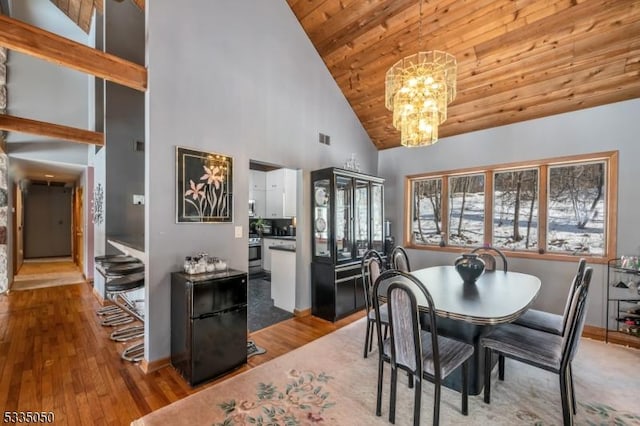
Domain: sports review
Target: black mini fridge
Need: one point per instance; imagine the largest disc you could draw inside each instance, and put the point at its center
(208, 323)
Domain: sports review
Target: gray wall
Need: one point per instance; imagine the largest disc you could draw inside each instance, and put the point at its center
(124, 123)
(606, 128)
(239, 78)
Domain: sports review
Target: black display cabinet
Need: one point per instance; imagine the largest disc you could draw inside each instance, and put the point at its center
(347, 214)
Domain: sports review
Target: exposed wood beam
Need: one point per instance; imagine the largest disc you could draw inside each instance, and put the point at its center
(139, 3)
(56, 131)
(42, 44)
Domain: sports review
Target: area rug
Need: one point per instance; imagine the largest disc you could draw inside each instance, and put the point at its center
(327, 382)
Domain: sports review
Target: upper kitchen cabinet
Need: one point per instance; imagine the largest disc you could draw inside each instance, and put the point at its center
(281, 193)
(257, 193)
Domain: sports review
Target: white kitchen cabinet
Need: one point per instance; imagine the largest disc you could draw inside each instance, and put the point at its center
(266, 251)
(281, 193)
(257, 192)
(257, 180)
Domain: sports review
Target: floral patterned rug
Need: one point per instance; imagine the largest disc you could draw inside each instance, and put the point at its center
(327, 382)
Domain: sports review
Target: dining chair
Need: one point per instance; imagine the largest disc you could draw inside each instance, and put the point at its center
(423, 355)
(537, 348)
(371, 267)
(547, 321)
(488, 255)
(400, 259)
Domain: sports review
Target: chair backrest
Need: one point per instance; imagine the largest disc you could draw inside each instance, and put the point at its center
(576, 318)
(487, 254)
(404, 322)
(577, 280)
(371, 267)
(400, 259)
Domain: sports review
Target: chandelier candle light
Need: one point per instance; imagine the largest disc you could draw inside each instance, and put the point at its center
(418, 89)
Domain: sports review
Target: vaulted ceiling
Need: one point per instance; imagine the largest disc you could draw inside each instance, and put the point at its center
(517, 59)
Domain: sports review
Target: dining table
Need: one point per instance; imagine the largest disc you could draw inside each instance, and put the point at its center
(467, 311)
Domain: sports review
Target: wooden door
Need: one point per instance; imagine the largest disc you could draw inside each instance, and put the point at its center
(78, 226)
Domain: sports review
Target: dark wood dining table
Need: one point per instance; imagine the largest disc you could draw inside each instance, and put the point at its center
(467, 311)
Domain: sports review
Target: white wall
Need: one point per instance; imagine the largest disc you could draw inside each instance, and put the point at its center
(239, 78)
(606, 128)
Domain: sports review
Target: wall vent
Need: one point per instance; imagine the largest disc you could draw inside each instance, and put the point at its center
(138, 146)
(324, 139)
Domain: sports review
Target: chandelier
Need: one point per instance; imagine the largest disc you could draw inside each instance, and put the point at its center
(418, 89)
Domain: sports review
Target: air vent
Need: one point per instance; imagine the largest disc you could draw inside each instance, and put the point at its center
(324, 139)
(138, 146)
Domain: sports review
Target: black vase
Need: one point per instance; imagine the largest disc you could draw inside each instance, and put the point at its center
(469, 267)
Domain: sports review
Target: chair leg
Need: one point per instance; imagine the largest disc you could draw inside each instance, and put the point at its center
(386, 331)
(392, 397)
(436, 404)
(410, 377)
(487, 375)
(564, 395)
(417, 400)
(500, 367)
(380, 380)
(366, 338)
(573, 391)
(371, 339)
(465, 388)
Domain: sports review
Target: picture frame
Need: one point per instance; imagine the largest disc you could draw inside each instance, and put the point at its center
(204, 187)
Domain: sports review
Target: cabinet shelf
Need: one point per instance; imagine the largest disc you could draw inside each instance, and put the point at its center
(618, 299)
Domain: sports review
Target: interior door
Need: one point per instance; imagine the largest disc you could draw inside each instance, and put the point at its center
(47, 227)
(78, 226)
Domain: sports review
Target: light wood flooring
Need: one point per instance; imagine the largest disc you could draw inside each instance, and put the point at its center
(55, 356)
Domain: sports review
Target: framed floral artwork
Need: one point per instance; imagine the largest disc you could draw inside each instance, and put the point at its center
(204, 187)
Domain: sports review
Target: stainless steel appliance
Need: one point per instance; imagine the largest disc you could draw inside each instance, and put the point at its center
(255, 255)
(208, 323)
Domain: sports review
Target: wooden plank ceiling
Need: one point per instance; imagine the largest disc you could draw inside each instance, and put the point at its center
(79, 11)
(517, 59)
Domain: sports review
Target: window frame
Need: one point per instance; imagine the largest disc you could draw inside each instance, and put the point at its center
(610, 159)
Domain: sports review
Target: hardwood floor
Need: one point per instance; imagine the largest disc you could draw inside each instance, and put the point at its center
(55, 356)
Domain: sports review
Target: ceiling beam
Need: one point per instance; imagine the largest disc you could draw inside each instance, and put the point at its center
(56, 131)
(25, 38)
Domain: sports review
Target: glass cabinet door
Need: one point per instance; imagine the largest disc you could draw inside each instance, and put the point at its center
(344, 216)
(361, 217)
(321, 218)
(377, 217)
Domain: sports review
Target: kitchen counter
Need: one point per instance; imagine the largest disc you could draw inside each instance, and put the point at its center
(283, 278)
(131, 246)
(286, 247)
(280, 237)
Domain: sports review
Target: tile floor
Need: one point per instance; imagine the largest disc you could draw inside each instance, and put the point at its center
(261, 312)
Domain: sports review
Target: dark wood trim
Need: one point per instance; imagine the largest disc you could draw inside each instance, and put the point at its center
(30, 40)
(597, 333)
(56, 131)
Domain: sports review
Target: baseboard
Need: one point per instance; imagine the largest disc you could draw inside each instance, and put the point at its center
(149, 367)
(598, 333)
(101, 299)
(302, 312)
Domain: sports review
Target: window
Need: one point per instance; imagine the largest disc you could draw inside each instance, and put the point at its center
(515, 210)
(426, 224)
(576, 205)
(555, 208)
(466, 210)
